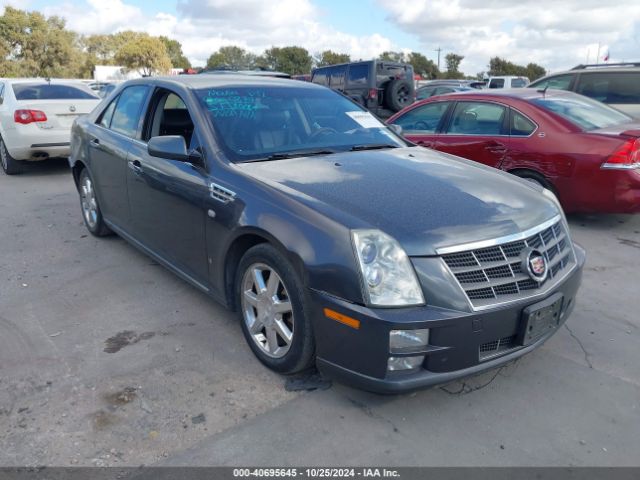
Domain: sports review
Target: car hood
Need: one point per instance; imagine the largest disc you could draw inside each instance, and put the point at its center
(424, 199)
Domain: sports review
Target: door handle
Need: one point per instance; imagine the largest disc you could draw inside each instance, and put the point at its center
(95, 142)
(136, 166)
(424, 143)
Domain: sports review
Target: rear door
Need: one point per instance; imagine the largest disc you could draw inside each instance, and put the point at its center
(476, 130)
(621, 90)
(422, 124)
(110, 139)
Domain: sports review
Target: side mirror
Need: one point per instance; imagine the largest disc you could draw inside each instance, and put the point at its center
(397, 129)
(171, 147)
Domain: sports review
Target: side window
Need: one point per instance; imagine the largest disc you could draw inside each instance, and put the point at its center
(477, 118)
(126, 115)
(521, 126)
(424, 93)
(320, 77)
(358, 74)
(169, 117)
(424, 119)
(496, 83)
(1, 93)
(442, 90)
(337, 76)
(105, 119)
(614, 88)
(559, 82)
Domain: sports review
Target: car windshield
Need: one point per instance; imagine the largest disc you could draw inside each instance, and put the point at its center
(51, 91)
(267, 123)
(581, 111)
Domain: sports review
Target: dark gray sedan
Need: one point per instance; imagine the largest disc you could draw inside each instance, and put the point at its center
(387, 265)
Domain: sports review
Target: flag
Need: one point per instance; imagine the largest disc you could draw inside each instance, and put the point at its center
(606, 57)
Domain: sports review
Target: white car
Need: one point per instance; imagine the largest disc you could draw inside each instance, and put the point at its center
(36, 117)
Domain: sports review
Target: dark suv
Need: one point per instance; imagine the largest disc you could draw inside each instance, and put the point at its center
(382, 87)
(616, 84)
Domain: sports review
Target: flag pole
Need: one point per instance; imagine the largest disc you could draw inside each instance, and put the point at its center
(598, 56)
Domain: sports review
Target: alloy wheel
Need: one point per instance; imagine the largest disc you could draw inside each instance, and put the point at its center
(267, 310)
(89, 203)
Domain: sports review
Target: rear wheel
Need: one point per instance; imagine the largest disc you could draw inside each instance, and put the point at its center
(91, 213)
(535, 178)
(10, 165)
(273, 311)
(398, 94)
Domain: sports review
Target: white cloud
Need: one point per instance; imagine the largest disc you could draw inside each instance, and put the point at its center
(555, 34)
(203, 26)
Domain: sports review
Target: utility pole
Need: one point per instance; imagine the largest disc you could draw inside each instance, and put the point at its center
(438, 50)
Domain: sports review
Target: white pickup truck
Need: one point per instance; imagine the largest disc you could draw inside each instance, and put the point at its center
(507, 81)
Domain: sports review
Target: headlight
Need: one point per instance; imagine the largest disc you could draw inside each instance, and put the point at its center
(551, 196)
(388, 276)
(403, 340)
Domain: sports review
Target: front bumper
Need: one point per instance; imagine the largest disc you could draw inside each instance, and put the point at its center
(359, 356)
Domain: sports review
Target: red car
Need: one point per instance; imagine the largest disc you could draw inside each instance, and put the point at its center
(587, 153)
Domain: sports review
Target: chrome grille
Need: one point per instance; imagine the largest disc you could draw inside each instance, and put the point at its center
(494, 274)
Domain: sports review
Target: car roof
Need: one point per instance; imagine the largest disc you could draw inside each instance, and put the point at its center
(196, 82)
(511, 93)
(54, 81)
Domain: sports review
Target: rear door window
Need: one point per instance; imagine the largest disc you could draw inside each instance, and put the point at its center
(55, 91)
(477, 118)
(559, 82)
(424, 119)
(611, 87)
(520, 126)
(126, 116)
(518, 83)
(320, 77)
(358, 74)
(496, 83)
(105, 119)
(337, 76)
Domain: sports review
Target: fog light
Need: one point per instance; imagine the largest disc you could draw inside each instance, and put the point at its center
(403, 340)
(404, 363)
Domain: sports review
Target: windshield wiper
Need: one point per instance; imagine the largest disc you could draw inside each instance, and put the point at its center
(372, 146)
(292, 154)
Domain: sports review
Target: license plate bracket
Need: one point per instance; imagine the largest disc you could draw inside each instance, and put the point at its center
(540, 318)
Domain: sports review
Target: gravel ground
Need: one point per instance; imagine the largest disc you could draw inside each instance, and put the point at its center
(106, 358)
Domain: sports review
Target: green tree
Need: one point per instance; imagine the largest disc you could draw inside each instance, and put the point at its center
(453, 64)
(329, 57)
(145, 54)
(35, 46)
(423, 66)
(174, 50)
(291, 60)
(233, 57)
(392, 56)
(500, 66)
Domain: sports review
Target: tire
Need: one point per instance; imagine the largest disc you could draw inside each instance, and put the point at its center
(398, 94)
(91, 213)
(534, 177)
(10, 165)
(265, 329)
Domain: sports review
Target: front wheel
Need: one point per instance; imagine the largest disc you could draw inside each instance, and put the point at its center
(10, 165)
(273, 311)
(91, 213)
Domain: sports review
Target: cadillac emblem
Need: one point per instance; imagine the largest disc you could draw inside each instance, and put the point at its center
(72, 108)
(534, 263)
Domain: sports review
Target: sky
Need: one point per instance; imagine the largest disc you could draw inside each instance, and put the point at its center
(557, 34)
